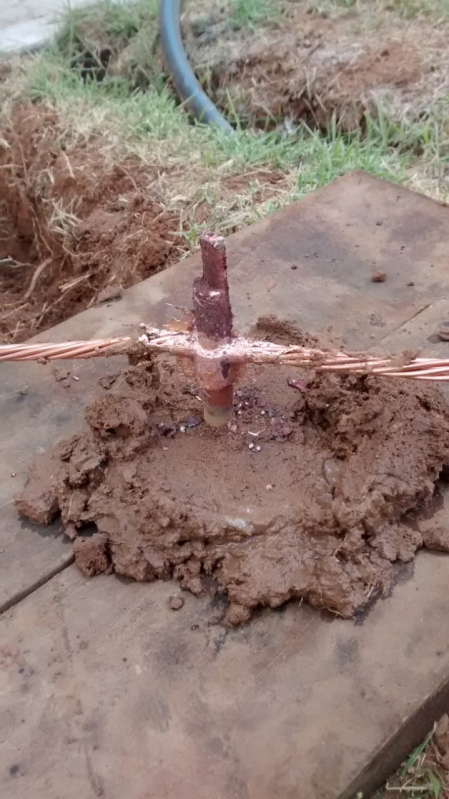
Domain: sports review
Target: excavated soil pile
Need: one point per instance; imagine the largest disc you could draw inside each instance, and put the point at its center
(305, 65)
(75, 228)
(307, 493)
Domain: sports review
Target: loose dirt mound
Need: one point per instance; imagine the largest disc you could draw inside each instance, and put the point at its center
(72, 230)
(307, 493)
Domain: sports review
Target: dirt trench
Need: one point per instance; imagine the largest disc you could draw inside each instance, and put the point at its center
(307, 66)
(74, 229)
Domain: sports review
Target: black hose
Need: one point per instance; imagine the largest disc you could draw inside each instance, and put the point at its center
(180, 70)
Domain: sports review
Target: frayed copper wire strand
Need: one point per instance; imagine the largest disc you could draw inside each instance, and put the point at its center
(239, 351)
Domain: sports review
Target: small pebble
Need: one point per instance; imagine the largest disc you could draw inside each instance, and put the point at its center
(379, 277)
(192, 421)
(443, 333)
(24, 391)
(268, 487)
(75, 377)
(176, 602)
(61, 374)
(233, 428)
(182, 429)
(251, 446)
(286, 431)
(258, 449)
(13, 474)
(262, 413)
(411, 283)
(299, 384)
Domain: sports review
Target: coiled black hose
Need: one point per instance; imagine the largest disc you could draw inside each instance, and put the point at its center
(180, 70)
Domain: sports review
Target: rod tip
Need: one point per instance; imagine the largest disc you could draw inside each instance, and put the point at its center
(217, 417)
(215, 241)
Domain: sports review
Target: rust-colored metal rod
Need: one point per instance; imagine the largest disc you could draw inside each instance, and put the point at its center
(213, 327)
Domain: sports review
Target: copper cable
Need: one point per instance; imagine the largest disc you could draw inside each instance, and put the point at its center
(69, 349)
(238, 351)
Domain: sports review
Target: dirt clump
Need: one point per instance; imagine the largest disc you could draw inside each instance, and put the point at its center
(73, 229)
(306, 494)
(176, 602)
(91, 554)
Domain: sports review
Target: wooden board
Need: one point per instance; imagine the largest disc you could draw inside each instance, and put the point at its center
(120, 696)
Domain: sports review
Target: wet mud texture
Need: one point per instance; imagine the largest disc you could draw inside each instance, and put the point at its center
(312, 491)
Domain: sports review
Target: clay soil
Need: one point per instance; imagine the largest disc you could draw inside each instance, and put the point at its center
(73, 230)
(316, 490)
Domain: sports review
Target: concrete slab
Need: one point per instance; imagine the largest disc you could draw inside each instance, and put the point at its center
(291, 705)
(26, 25)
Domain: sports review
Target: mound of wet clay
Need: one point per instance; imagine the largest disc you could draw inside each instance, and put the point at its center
(309, 492)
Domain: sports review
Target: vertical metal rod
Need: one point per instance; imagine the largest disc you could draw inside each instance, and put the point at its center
(213, 323)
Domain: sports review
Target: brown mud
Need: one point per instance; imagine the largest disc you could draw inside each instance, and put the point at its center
(73, 230)
(313, 491)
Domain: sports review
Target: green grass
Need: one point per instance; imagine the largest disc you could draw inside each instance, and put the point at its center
(150, 125)
(248, 13)
(418, 777)
(116, 19)
(194, 163)
(111, 36)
